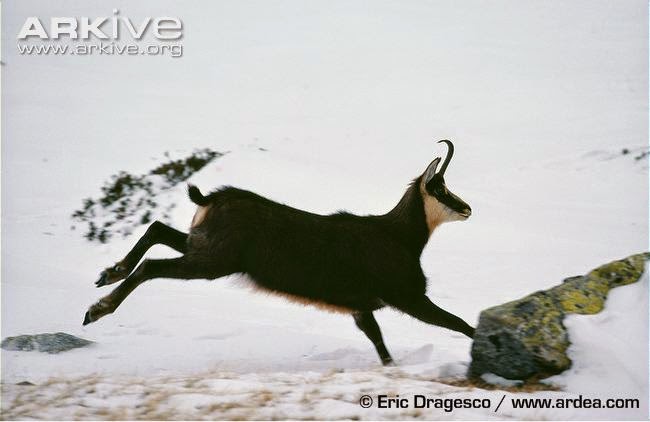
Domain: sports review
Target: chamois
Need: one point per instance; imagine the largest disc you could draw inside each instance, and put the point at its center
(342, 262)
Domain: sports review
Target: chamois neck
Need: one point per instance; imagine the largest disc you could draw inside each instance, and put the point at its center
(407, 220)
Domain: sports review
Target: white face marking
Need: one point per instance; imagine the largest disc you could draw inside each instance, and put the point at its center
(435, 211)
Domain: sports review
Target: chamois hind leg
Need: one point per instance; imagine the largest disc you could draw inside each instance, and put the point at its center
(423, 309)
(179, 268)
(155, 234)
(367, 323)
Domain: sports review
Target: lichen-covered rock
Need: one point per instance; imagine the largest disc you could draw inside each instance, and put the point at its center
(48, 342)
(526, 338)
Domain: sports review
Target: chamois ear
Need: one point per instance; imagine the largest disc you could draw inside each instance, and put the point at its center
(431, 170)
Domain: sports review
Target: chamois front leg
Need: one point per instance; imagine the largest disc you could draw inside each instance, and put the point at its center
(368, 324)
(422, 308)
(155, 234)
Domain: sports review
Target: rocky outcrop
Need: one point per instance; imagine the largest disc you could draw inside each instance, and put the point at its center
(48, 342)
(526, 338)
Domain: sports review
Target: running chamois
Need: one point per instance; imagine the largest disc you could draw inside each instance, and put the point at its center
(341, 262)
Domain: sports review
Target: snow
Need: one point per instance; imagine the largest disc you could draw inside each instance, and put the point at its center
(346, 100)
(494, 379)
(611, 346)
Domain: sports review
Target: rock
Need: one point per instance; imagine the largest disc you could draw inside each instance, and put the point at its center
(526, 338)
(48, 342)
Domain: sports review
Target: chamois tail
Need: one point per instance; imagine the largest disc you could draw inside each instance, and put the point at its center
(196, 196)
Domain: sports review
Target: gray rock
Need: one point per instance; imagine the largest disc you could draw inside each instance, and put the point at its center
(526, 338)
(48, 342)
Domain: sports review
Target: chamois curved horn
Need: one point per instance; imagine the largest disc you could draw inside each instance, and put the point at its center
(450, 154)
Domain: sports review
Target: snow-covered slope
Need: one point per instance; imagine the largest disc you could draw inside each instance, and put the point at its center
(346, 101)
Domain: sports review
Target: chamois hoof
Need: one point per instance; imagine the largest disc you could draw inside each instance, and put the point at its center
(102, 280)
(98, 310)
(111, 275)
(470, 332)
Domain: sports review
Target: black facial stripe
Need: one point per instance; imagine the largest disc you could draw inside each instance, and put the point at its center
(452, 201)
(437, 188)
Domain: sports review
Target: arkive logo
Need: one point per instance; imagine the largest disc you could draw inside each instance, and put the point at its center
(102, 28)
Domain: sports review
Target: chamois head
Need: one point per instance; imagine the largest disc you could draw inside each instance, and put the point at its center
(440, 204)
